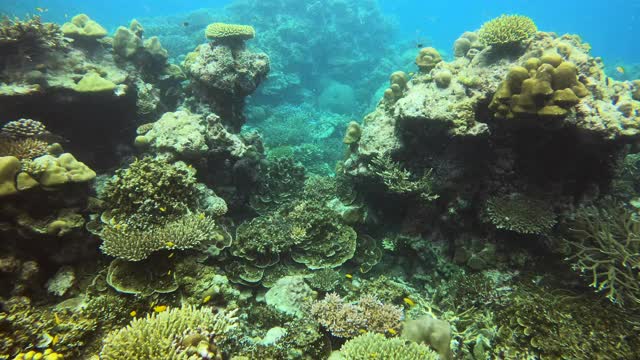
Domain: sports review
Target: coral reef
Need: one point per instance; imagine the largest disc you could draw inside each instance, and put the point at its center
(369, 346)
(175, 334)
(507, 30)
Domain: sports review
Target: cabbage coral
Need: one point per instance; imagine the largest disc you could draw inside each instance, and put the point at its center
(375, 346)
(507, 30)
(176, 334)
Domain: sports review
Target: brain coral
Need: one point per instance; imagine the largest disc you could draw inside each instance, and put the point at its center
(222, 31)
(507, 30)
(176, 334)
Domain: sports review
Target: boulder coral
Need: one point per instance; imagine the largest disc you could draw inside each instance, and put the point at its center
(82, 27)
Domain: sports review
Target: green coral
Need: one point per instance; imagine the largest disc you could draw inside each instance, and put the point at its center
(507, 30)
(605, 245)
(176, 334)
(281, 180)
(376, 346)
(142, 278)
(186, 232)
(30, 35)
(148, 191)
(234, 32)
(521, 214)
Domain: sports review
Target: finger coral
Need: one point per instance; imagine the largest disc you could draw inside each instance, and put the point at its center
(507, 30)
(176, 334)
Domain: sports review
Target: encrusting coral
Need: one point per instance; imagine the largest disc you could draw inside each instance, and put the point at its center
(175, 334)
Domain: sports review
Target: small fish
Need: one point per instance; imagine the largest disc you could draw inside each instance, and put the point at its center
(411, 73)
(55, 340)
(362, 331)
(206, 299)
(57, 319)
(349, 276)
(620, 69)
(170, 255)
(409, 302)
(170, 244)
(419, 45)
(160, 308)
(392, 332)
(201, 216)
(163, 209)
(133, 313)
(41, 10)
(185, 24)
(169, 273)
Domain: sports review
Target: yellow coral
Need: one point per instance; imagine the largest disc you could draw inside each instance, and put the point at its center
(507, 30)
(222, 31)
(81, 26)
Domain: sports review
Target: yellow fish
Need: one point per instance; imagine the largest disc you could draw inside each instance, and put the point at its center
(170, 255)
(170, 244)
(349, 276)
(409, 302)
(133, 313)
(57, 318)
(206, 299)
(620, 69)
(160, 308)
(201, 216)
(55, 340)
(169, 272)
(392, 331)
(362, 331)
(163, 209)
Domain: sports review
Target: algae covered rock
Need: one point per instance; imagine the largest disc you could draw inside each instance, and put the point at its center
(9, 168)
(94, 83)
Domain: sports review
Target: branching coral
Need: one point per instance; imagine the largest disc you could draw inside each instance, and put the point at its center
(606, 244)
(177, 334)
(507, 30)
(23, 149)
(148, 190)
(400, 181)
(519, 213)
(348, 320)
(186, 232)
(30, 34)
(376, 346)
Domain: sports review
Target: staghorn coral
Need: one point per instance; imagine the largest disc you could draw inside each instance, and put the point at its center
(186, 232)
(376, 346)
(605, 245)
(347, 320)
(177, 334)
(519, 213)
(24, 148)
(507, 30)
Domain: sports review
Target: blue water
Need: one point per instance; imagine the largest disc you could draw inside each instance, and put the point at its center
(611, 27)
